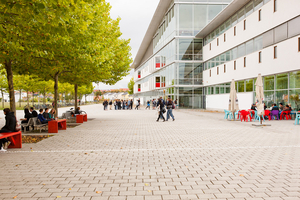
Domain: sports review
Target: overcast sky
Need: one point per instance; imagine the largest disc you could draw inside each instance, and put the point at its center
(135, 17)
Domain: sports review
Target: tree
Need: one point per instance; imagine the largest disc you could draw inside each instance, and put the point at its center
(44, 87)
(74, 40)
(85, 90)
(3, 84)
(130, 86)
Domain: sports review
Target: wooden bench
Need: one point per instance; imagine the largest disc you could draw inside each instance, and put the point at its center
(55, 125)
(14, 137)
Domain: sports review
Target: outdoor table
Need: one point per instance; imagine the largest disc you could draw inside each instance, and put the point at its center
(55, 125)
(79, 119)
(294, 113)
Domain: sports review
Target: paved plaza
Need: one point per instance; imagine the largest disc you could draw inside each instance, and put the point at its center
(127, 155)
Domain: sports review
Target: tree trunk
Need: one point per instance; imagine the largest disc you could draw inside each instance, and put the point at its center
(76, 88)
(85, 98)
(2, 98)
(11, 90)
(44, 101)
(56, 93)
(27, 99)
(20, 105)
(32, 98)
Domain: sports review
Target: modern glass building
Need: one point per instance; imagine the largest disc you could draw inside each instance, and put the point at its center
(193, 49)
(170, 59)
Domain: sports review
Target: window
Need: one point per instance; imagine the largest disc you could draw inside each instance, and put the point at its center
(245, 61)
(210, 73)
(234, 31)
(217, 41)
(224, 68)
(234, 65)
(275, 5)
(244, 24)
(209, 46)
(224, 37)
(259, 57)
(259, 15)
(217, 70)
(275, 52)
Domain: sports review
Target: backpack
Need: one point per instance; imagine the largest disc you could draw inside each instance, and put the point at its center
(173, 106)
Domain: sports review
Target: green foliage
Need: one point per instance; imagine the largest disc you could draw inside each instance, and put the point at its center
(75, 40)
(130, 86)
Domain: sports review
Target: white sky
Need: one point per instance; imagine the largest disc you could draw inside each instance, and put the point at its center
(135, 17)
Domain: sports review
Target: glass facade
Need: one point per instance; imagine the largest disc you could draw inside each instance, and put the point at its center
(281, 88)
(176, 66)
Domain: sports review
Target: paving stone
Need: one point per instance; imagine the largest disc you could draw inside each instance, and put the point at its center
(128, 155)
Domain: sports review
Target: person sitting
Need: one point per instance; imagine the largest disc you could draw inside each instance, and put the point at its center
(42, 119)
(10, 126)
(33, 112)
(275, 107)
(253, 107)
(52, 113)
(281, 107)
(46, 114)
(265, 107)
(26, 118)
(286, 108)
(77, 111)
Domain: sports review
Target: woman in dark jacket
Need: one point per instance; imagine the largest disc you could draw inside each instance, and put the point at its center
(161, 108)
(10, 126)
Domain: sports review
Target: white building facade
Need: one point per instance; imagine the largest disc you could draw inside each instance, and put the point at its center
(243, 39)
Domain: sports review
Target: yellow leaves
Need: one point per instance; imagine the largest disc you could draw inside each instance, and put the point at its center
(70, 188)
(149, 191)
(15, 197)
(58, 197)
(242, 175)
(146, 184)
(98, 192)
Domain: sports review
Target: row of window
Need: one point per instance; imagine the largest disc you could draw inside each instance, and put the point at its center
(237, 17)
(282, 32)
(284, 81)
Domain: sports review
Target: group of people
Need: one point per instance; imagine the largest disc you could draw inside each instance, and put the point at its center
(10, 126)
(274, 106)
(161, 104)
(155, 103)
(118, 104)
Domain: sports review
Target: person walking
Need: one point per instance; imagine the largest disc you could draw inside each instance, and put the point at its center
(110, 105)
(161, 109)
(148, 105)
(170, 107)
(131, 104)
(138, 104)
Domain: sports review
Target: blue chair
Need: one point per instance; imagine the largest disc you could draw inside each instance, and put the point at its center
(297, 118)
(228, 114)
(258, 117)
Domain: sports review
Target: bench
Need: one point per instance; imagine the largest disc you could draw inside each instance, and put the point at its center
(79, 118)
(14, 137)
(85, 117)
(55, 125)
(38, 125)
(29, 124)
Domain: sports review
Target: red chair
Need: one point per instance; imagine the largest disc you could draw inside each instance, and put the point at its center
(286, 114)
(268, 114)
(245, 115)
(252, 113)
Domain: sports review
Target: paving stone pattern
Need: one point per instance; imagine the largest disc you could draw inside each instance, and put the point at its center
(127, 155)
